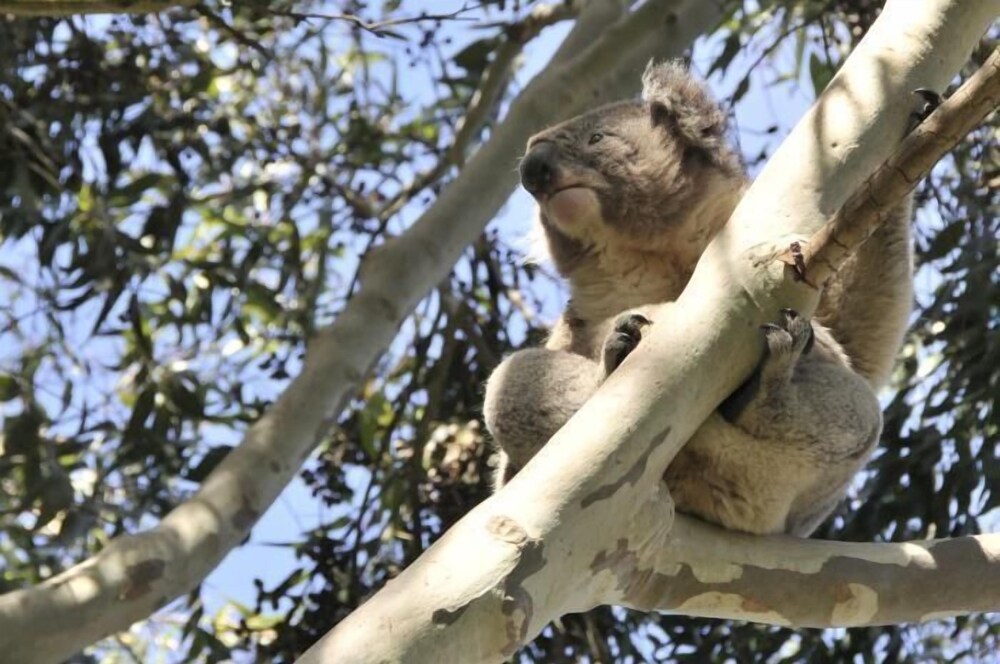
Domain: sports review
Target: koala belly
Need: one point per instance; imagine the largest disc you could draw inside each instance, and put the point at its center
(726, 476)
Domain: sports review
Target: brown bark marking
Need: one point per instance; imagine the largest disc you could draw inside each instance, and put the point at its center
(445, 617)
(842, 592)
(517, 603)
(750, 605)
(506, 529)
(139, 578)
(246, 516)
(631, 476)
(960, 577)
(624, 564)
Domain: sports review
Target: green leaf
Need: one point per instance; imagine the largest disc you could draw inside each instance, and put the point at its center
(474, 57)
(186, 400)
(729, 50)
(821, 73)
(9, 387)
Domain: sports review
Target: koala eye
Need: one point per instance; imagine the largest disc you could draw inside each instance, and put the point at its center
(595, 138)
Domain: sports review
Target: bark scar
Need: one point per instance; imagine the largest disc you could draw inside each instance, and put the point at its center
(518, 606)
(631, 476)
(794, 258)
(140, 577)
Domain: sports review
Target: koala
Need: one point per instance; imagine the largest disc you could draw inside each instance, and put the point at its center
(629, 197)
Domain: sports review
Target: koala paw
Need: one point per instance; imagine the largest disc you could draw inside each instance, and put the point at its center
(785, 344)
(623, 339)
(790, 340)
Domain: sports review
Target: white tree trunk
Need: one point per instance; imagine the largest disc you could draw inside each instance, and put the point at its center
(137, 574)
(588, 521)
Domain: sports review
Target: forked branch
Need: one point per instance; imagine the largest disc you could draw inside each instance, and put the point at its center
(916, 155)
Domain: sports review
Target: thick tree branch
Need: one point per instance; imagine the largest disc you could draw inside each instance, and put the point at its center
(916, 155)
(710, 572)
(594, 492)
(134, 575)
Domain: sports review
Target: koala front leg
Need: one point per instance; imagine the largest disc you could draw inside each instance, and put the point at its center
(534, 392)
(530, 396)
(624, 337)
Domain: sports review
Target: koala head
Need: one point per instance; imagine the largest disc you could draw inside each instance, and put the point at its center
(633, 174)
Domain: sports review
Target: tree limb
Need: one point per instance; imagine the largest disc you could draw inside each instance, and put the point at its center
(137, 574)
(594, 493)
(706, 571)
(920, 150)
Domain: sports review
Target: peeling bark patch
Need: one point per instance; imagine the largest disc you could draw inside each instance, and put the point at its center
(139, 578)
(518, 606)
(940, 615)
(614, 560)
(734, 605)
(641, 587)
(445, 617)
(857, 608)
(246, 516)
(630, 477)
(506, 529)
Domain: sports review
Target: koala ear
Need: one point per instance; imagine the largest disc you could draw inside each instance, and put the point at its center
(681, 104)
(660, 115)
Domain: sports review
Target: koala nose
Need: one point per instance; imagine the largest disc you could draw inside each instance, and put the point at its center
(538, 169)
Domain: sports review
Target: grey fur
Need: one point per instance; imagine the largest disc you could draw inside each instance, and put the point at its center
(630, 195)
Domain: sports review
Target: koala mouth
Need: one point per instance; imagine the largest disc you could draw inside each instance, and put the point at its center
(565, 189)
(571, 203)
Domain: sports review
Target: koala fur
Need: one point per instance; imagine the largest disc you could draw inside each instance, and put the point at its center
(630, 194)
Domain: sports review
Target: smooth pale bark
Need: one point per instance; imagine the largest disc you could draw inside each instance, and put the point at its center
(136, 574)
(588, 520)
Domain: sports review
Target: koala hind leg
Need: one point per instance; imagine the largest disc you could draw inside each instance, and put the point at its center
(788, 442)
(784, 346)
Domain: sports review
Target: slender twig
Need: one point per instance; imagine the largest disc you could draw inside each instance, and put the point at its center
(378, 28)
(484, 99)
(240, 36)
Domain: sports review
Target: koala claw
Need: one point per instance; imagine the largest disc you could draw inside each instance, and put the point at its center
(931, 100)
(790, 339)
(785, 343)
(799, 329)
(623, 339)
